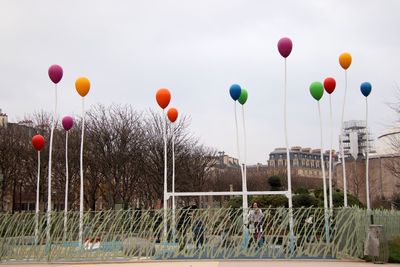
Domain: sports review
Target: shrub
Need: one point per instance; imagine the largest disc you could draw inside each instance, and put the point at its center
(273, 201)
(236, 202)
(301, 190)
(394, 250)
(396, 201)
(338, 200)
(305, 200)
(275, 182)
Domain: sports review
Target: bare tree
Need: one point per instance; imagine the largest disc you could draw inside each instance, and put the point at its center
(123, 158)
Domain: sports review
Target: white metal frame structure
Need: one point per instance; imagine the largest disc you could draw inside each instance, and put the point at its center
(243, 193)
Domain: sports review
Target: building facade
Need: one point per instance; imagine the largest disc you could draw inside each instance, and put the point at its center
(3, 119)
(384, 180)
(384, 166)
(305, 163)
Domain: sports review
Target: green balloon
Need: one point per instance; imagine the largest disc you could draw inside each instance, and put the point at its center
(243, 96)
(317, 90)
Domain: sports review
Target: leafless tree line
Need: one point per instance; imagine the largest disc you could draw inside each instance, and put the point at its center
(123, 159)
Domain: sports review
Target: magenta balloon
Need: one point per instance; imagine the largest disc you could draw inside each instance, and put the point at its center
(55, 73)
(67, 123)
(285, 46)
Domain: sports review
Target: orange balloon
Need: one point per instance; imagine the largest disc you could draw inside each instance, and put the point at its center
(345, 60)
(172, 114)
(82, 86)
(163, 97)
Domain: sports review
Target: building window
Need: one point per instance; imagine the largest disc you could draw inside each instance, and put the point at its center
(296, 162)
(272, 163)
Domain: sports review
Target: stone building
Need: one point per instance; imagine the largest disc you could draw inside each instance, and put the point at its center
(3, 119)
(305, 165)
(383, 181)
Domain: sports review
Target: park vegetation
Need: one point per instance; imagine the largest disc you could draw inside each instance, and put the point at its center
(123, 159)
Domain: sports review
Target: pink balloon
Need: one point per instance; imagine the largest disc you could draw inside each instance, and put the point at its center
(55, 73)
(285, 46)
(67, 123)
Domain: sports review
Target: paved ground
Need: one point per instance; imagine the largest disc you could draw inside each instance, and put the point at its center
(222, 263)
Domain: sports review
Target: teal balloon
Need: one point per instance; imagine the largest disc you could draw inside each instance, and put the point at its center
(243, 96)
(317, 90)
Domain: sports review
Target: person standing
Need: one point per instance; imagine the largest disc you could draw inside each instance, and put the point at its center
(255, 222)
(198, 232)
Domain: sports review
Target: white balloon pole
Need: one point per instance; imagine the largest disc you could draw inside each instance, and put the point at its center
(330, 155)
(289, 176)
(173, 181)
(323, 178)
(244, 180)
(341, 144)
(367, 158)
(81, 189)
(244, 200)
(66, 188)
(37, 201)
(165, 176)
(48, 235)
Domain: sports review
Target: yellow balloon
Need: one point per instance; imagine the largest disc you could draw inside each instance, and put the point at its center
(82, 86)
(345, 60)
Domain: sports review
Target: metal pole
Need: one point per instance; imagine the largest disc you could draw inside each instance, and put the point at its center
(37, 201)
(81, 191)
(244, 180)
(165, 176)
(48, 236)
(289, 176)
(341, 144)
(330, 155)
(66, 188)
(240, 162)
(173, 181)
(367, 157)
(323, 178)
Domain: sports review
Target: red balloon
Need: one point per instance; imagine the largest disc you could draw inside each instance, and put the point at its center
(329, 85)
(163, 97)
(172, 114)
(38, 142)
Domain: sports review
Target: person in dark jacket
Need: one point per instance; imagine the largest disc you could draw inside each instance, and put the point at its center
(198, 232)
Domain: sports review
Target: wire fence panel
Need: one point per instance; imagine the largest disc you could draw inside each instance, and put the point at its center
(208, 233)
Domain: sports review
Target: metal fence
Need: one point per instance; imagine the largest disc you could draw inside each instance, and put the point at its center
(208, 233)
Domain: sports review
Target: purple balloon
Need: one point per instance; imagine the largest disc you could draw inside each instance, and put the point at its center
(67, 123)
(55, 73)
(285, 46)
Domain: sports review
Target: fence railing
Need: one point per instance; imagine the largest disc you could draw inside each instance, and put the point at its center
(208, 233)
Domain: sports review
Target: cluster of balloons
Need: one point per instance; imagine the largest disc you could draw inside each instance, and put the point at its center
(82, 86)
(317, 88)
(238, 93)
(163, 97)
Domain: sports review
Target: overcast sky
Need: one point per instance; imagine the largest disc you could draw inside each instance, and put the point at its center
(197, 49)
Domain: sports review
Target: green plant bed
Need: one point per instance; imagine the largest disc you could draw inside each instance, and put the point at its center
(394, 250)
